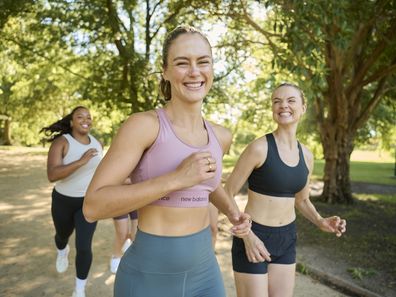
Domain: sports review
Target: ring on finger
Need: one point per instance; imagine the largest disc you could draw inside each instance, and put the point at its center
(210, 167)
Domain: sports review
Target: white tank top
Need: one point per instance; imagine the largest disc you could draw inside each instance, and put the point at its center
(76, 184)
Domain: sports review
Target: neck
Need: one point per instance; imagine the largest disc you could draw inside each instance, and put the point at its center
(286, 137)
(184, 115)
(80, 137)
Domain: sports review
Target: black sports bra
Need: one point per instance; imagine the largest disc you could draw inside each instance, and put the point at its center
(275, 178)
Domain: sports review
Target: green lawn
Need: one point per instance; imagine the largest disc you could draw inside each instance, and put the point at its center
(370, 172)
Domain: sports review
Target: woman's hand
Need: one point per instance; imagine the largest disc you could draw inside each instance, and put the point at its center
(88, 155)
(195, 169)
(242, 224)
(256, 251)
(333, 224)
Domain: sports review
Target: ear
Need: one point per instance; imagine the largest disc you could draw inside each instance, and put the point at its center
(304, 108)
(165, 75)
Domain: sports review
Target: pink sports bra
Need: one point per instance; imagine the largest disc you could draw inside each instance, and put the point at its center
(166, 153)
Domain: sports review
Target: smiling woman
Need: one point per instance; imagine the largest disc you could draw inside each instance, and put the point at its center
(72, 159)
(277, 168)
(173, 157)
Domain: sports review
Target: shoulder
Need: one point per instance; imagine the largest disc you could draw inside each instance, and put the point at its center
(141, 127)
(259, 146)
(146, 120)
(59, 147)
(223, 134)
(59, 142)
(255, 153)
(308, 156)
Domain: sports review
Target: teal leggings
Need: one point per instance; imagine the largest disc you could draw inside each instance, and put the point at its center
(161, 266)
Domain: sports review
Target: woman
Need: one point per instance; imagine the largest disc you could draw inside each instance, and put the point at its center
(72, 159)
(277, 167)
(124, 235)
(173, 157)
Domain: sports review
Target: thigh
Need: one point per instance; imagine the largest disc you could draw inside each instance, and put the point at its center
(131, 283)
(281, 279)
(62, 210)
(240, 262)
(251, 285)
(205, 280)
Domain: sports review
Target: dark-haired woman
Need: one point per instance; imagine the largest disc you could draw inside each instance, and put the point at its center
(73, 157)
(174, 158)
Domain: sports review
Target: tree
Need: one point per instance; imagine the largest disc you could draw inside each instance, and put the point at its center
(120, 39)
(342, 55)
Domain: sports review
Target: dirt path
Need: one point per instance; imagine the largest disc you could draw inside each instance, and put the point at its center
(27, 252)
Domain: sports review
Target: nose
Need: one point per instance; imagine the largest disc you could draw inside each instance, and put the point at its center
(284, 104)
(194, 70)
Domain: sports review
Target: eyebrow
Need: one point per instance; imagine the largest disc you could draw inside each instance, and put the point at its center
(185, 58)
(292, 97)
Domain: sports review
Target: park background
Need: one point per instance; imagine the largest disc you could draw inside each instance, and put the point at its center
(106, 55)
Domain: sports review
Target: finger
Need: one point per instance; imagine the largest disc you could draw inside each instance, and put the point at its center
(203, 155)
(259, 257)
(265, 254)
(211, 167)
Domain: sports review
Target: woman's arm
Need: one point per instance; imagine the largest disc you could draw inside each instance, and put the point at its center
(332, 224)
(108, 196)
(56, 170)
(224, 202)
(252, 157)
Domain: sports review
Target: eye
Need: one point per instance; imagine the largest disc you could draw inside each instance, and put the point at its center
(204, 62)
(181, 64)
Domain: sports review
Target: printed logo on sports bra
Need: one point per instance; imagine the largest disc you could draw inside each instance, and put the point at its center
(166, 198)
(193, 199)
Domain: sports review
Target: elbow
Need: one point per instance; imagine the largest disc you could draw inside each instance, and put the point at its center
(89, 212)
(51, 178)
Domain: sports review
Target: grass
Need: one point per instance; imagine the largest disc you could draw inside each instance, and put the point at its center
(369, 244)
(377, 171)
(368, 172)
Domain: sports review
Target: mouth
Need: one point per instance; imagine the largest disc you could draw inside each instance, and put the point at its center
(85, 126)
(285, 114)
(194, 85)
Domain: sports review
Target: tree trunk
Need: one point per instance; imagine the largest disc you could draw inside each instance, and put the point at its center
(337, 184)
(7, 132)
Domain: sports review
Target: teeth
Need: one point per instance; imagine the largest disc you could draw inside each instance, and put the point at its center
(285, 114)
(194, 85)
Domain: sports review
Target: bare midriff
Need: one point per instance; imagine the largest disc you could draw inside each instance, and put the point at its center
(172, 221)
(269, 210)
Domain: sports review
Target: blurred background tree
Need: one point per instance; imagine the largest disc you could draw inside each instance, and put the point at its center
(107, 55)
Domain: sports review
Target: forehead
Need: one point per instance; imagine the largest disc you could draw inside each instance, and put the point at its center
(81, 111)
(189, 45)
(286, 92)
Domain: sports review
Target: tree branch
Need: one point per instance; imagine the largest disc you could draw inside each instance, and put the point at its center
(364, 115)
(374, 56)
(45, 57)
(380, 74)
